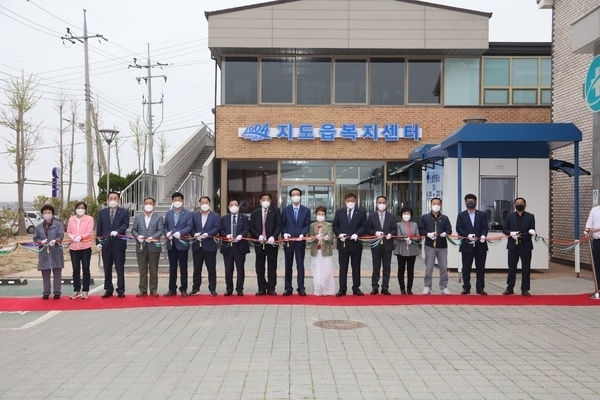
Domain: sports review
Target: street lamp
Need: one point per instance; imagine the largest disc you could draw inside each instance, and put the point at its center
(108, 135)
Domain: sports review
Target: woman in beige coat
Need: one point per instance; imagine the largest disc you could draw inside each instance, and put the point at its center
(321, 252)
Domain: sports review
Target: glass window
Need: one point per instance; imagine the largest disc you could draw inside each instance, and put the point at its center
(524, 96)
(313, 81)
(546, 72)
(306, 170)
(491, 96)
(497, 196)
(240, 76)
(461, 81)
(424, 81)
(350, 81)
(246, 180)
(546, 96)
(496, 71)
(312, 197)
(387, 81)
(398, 196)
(277, 80)
(525, 72)
(364, 179)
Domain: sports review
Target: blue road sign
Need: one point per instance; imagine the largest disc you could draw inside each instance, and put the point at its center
(592, 85)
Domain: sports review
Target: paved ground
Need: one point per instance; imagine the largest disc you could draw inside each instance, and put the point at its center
(277, 352)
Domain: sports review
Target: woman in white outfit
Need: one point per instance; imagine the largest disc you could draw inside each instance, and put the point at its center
(321, 252)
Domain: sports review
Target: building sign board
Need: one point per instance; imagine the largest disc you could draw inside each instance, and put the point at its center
(592, 85)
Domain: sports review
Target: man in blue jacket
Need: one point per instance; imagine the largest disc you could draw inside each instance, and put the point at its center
(178, 225)
(295, 222)
(206, 224)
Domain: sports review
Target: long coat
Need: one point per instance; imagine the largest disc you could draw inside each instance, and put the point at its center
(326, 245)
(50, 257)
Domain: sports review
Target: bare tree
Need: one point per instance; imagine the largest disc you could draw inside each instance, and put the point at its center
(163, 146)
(118, 142)
(22, 97)
(60, 105)
(139, 141)
(74, 106)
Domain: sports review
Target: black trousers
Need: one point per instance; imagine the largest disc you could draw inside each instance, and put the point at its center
(345, 256)
(513, 259)
(298, 250)
(200, 257)
(268, 255)
(231, 257)
(178, 258)
(382, 260)
(408, 263)
(80, 259)
(114, 257)
(467, 263)
(596, 257)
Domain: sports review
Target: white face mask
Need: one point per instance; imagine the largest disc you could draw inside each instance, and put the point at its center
(234, 209)
(148, 208)
(381, 207)
(265, 204)
(295, 199)
(320, 218)
(205, 207)
(406, 217)
(80, 211)
(350, 205)
(177, 204)
(436, 208)
(47, 217)
(113, 204)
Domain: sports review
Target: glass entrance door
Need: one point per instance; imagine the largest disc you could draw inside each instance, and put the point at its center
(313, 195)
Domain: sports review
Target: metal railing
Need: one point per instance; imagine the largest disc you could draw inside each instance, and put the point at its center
(191, 188)
(145, 185)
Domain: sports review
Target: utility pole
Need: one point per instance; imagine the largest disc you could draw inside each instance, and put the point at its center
(149, 122)
(88, 99)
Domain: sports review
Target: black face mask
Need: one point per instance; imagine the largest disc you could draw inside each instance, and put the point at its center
(471, 206)
(520, 207)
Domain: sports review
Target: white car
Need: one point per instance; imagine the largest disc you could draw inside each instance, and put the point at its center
(32, 219)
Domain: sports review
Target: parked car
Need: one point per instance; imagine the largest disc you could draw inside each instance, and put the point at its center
(32, 219)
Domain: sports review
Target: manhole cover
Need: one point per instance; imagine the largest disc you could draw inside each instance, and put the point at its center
(340, 324)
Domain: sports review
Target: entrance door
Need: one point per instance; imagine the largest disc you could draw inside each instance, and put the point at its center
(313, 195)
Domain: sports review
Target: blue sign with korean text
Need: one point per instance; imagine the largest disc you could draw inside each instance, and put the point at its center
(592, 85)
(329, 132)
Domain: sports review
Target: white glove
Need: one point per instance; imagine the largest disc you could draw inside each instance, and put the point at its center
(149, 240)
(140, 238)
(431, 235)
(319, 236)
(238, 238)
(203, 236)
(177, 235)
(471, 236)
(514, 234)
(327, 238)
(114, 233)
(77, 239)
(169, 234)
(443, 234)
(354, 237)
(44, 241)
(388, 236)
(71, 236)
(99, 247)
(230, 236)
(271, 240)
(52, 243)
(532, 232)
(379, 233)
(408, 241)
(342, 237)
(300, 237)
(286, 236)
(261, 238)
(586, 232)
(196, 234)
(482, 238)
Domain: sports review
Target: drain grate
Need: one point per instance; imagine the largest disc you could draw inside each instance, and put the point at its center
(340, 324)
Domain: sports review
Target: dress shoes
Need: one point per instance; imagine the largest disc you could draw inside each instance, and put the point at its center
(153, 294)
(45, 297)
(301, 293)
(271, 293)
(465, 291)
(141, 294)
(373, 292)
(56, 296)
(169, 294)
(227, 294)
(107, 294)
(526, 293)
(240, 293)
(261, 292)
(287, 293)
(386, 292)
(340, 294)
(194, 292)
(184, 293)
(508, 291)
(358, 292)
(121, 295)
(482, 292)
(409, 292)
(402, 291)
(213, 293)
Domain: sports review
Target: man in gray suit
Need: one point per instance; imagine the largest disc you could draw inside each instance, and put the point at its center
(147, 229)
(382, 224)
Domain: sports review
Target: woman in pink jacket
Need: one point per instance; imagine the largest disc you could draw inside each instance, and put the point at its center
(80, 230)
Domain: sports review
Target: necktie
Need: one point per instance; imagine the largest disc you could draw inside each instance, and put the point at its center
(264, 231)
(349, 216)
(234, 226)
(296, 214)
(381, 219)
(176, 217)
(112, 215)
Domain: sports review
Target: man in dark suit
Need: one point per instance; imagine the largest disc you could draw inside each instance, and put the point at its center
(112, 221)
(178, 225)
(472, 227)
(383, 225)
(349, 223)
(295, 221)
(206, 224)
(234, 227)
(265, 225)
(519, 225)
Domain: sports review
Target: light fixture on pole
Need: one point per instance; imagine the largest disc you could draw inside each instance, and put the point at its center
(109, 135)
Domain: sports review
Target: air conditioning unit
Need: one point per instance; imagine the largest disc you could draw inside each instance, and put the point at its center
(545, 3)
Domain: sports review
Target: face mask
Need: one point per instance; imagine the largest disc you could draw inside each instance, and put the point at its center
(381, 207)
(295, 199)
(471, 206)
(520, 207)
(113, 204)
(436, 208)
(320, 218)
(47, 217)
(265, 204)
(148, 208)
(350, 205)
(234, 209)
(205, 207)
(406, 217)
(80, 211)
(177, 204)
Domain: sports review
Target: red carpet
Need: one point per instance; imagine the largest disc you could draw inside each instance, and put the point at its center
(130, 301)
